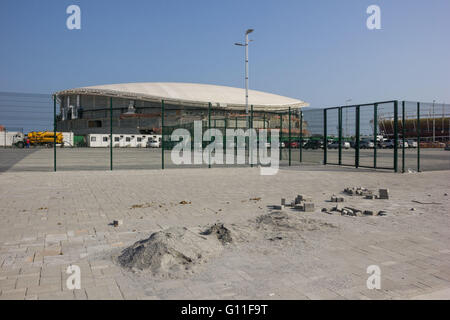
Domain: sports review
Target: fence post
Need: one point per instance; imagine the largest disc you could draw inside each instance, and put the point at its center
(162, 134)
(375, 134)
(357, 137)
(403, 136)
(250, 142)
(325, 136)
(396, 136)
(340, 135)
(209, 128)
(289, 136)
(418, 136)
(111, 134)
(54, 133)
(224, 143)
(301, 136)
(281, 136)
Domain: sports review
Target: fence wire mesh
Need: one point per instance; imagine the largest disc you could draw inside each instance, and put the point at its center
(108, 133)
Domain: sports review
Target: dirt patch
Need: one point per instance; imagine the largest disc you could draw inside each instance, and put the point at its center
(281, 225)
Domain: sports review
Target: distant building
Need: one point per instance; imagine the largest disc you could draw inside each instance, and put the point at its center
(137, 107)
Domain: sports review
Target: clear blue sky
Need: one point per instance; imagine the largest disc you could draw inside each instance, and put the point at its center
(316, 50)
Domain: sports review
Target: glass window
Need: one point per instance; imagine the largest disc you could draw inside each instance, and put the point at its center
(93, 139)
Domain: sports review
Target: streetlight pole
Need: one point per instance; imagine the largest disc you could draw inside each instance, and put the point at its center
(246, 74)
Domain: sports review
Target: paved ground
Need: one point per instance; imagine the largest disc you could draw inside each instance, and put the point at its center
(52, 220)
(36, 159)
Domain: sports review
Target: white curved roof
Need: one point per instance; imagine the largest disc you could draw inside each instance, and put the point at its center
(190, 93)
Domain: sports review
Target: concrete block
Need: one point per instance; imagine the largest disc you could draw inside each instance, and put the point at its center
(308, 206)
(383, 193)
(117, 223)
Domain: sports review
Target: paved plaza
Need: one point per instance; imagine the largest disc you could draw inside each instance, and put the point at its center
(53, 220)
(69, 159)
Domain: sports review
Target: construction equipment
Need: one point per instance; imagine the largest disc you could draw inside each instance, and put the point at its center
(41, 138)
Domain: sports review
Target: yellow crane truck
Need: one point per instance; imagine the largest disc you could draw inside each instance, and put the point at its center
(41, 138)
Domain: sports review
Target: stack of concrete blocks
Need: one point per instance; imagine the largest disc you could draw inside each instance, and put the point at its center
(300, 203)
(304, 203)
(334, 198)
(361, 191)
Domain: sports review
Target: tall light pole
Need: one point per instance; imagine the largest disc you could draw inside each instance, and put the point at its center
(246, 73)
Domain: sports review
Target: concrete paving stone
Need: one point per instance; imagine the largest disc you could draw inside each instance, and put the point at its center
(8, 284)
(66, 295)
(27, 281)
(43, 288)
(55, 238)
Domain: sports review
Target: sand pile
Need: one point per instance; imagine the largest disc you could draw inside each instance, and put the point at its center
(175, 251)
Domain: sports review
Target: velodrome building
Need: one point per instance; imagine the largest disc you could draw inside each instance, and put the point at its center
(136, 107)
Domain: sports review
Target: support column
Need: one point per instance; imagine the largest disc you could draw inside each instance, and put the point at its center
(403, 136)
(301, 136)
(54, 133)
(162, 134)
(111, 134)
(375, 134)
(418, 136)
(357, 142)
(325, 136)
(340, 135)
(396, 136)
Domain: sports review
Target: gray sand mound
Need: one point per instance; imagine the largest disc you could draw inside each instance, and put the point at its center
(175, 251)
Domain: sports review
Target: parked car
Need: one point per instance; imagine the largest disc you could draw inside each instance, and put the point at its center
(366, 144)
(411, 143)
(295, 144)
(335, 145)
(389, 144)
(314, 144)
(400, 144)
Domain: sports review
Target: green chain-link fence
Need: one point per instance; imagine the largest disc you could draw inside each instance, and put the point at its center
(108, 133)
